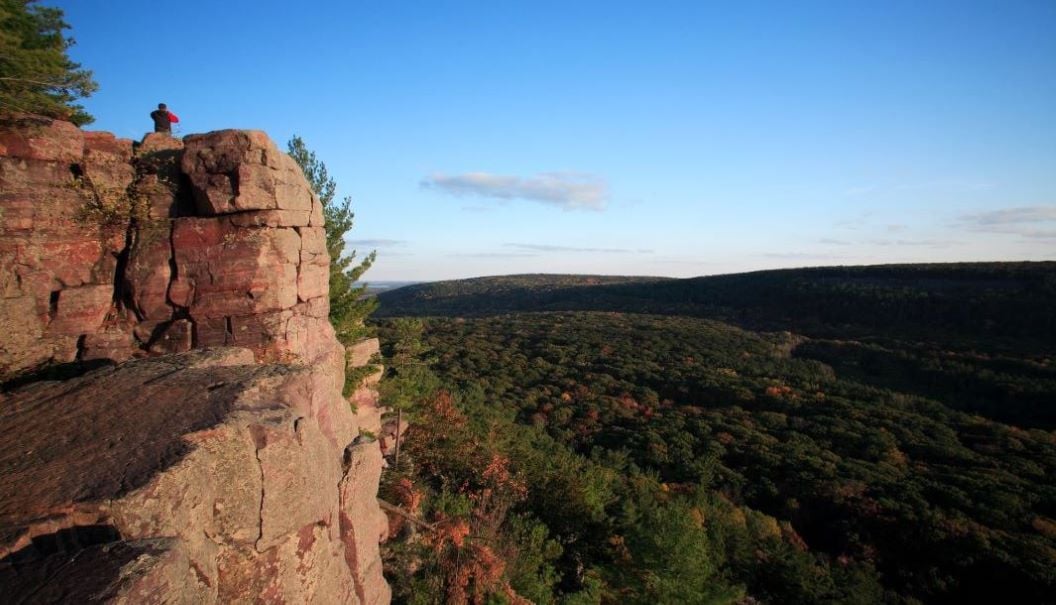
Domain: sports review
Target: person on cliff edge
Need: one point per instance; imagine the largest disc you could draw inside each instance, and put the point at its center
(163, 119)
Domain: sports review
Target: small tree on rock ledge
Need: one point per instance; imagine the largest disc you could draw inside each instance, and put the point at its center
(349, 305)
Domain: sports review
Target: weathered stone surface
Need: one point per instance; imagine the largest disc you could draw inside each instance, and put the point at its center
(113, 345)
(41, 139)
(80, 310)
(210, 476)
(392, 430)
(285, 448)
(154, 142)
(361, 538)
(317, 219)
(368, 408)
(111, 571)
(257, 277)
(227, 459)
(313, 339)
(360, 353)
(22, 346)
(237, 170)
(159, 194)
(65, 451)
(313, 277)
(171, 337)
(157, 161)
(148, 273)
(316, 307)
(48, 257)
(271, 218)
(225, 270)
(107, 160)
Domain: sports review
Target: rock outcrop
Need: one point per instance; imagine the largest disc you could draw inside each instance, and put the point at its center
(225, 246)
(218, 461)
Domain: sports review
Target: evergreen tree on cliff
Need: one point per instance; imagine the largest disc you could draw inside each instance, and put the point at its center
(36, 75)
(348, 304)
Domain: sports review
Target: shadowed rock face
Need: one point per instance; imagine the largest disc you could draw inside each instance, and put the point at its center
(79, 573)
(97, 437)
(176, 473)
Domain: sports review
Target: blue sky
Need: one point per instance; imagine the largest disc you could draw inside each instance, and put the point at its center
(660, 138)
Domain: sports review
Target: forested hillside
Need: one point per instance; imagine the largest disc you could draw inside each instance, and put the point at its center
(991, 305)
(671, 458)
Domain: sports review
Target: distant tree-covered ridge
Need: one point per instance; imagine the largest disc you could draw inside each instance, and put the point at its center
(962, 304)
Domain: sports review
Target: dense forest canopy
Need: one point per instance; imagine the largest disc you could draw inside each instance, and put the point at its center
(987, 305)
(662, 456)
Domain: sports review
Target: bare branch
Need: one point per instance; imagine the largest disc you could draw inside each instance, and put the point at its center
(392, 508)
(38, 82)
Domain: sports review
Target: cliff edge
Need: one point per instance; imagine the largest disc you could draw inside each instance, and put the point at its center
(210, 457)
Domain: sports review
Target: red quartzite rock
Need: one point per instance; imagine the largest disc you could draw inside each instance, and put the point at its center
(225, 270)
(56, 272)
(31, 138)
(80, 310)
(313, 277)
(107, 160)
(360, 353)
(254, 271)
(215, 476)
(363, 525)
(149, 272)
(157, 160)
(221, 465)
(237, 170)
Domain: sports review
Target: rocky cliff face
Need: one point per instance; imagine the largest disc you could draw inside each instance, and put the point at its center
(218, 462)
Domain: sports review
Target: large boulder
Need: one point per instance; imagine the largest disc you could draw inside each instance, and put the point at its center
(161, 246)
(223, 270)
(237, 170)
(241, 483)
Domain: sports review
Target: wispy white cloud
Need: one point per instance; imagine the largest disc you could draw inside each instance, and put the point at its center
(1023, 231)
(933, 243)
(833, 242)
(493, 255)
(567, 190)
(856, 222)
(552, 248)
(1009, 216)
(803, 256)
(930, 243)
(956, 185)
(1030, 222)
(683, 260)
(1038, 233)
(376, 243)
(951, 185)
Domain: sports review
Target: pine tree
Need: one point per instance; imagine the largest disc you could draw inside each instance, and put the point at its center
(36, 75)
(349, 305)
